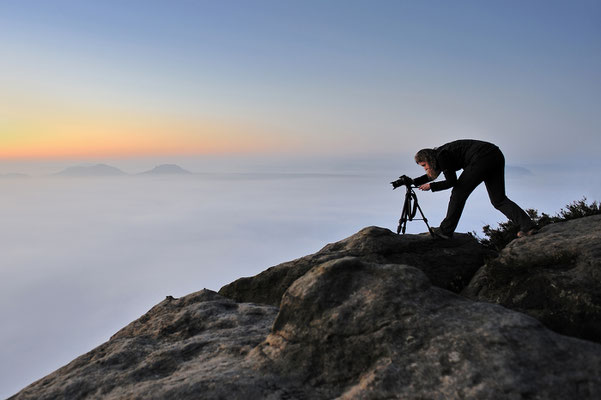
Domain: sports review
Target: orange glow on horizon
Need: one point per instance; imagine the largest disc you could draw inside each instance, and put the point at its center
(79, 150)
(76, 152)
(51, 137)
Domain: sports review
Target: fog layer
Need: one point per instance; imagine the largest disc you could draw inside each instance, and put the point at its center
(82, 257)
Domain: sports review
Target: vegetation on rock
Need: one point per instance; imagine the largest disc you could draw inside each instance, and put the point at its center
(497, 238)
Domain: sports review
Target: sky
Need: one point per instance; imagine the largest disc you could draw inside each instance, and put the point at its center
(294, 115)
(98, 79)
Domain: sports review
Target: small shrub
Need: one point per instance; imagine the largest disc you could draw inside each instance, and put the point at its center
(579, 209)
(498, 238)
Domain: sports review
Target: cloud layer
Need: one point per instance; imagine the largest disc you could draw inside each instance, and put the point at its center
(82, 257)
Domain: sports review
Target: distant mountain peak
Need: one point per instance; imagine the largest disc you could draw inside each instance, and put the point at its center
(14, 175)
(92, 170)
(517, 171)
(165, 169)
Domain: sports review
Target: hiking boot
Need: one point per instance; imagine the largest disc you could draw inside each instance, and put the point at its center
(437, 233)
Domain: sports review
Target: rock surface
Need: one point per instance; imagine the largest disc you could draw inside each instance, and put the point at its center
(448, 264)
(180, 349)
(358, 330)
(351, 327)
(554, 276)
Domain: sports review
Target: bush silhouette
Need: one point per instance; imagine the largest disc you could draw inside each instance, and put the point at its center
(497, 238)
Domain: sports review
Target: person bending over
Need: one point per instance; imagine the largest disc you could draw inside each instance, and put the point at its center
(481, 162)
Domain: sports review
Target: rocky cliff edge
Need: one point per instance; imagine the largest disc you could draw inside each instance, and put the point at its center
(376, 315)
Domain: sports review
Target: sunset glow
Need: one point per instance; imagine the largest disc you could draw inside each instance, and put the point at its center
(60, 136)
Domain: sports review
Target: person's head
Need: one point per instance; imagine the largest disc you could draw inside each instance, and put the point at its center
(427, 159)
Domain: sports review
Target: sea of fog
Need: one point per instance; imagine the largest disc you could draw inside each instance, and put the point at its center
(82, 257)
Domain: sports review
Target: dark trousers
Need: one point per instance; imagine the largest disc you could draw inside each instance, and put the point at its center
(489, 169)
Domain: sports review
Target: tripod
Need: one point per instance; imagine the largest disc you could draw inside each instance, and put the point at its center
(410, 208)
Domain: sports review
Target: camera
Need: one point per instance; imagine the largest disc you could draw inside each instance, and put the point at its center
(402, 181)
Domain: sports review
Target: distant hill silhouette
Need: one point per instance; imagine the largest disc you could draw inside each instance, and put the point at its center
(94, 170)
(167, 169)
(517, 171)
(14, 175)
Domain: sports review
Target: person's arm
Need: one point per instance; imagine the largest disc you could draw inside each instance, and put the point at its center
(421, 180)
(450, 180)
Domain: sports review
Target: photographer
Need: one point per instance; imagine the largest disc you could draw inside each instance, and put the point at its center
(481, 162)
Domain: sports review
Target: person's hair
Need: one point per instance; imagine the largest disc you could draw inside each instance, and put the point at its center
(429, 156)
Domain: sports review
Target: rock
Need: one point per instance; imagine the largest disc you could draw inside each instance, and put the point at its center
(554, 276)
(179, 349)
(359, 330)
(365, 327)
(449, 264)
(347, 329)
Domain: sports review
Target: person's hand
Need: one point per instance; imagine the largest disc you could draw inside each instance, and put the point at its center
(425, 186)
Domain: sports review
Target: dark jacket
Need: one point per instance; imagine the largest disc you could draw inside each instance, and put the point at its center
(452, 157)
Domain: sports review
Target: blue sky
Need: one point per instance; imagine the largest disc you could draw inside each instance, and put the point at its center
(305, 77)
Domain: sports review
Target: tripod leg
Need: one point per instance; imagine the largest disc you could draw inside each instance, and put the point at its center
(424, 218)
(405, 214)
(402, 222)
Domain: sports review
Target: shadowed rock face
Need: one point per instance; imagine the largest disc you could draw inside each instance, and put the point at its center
(554, 276)
(179, 349)
(359, 330)
(347, 329)
(356, 327)
(449, 264)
